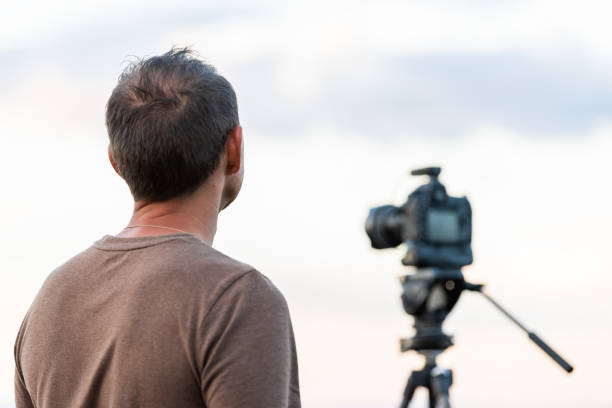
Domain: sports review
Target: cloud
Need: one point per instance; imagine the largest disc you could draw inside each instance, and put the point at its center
(390, 69)
(436, 95)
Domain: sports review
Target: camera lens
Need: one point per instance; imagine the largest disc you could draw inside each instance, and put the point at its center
(384, 226)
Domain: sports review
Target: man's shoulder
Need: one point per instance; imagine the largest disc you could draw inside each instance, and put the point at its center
(176, 257)
(180, 262)
(258, 288)
(194, 254)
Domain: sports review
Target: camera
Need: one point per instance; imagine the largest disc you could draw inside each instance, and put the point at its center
(437, 231)
(435, 227)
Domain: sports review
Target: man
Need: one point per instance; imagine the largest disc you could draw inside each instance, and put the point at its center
(155, 317)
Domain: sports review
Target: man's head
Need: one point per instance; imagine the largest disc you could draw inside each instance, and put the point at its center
(171, 121)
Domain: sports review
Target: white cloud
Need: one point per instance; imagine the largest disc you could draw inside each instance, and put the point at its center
(319, 30)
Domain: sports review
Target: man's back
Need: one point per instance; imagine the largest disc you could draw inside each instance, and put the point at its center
(156, 321)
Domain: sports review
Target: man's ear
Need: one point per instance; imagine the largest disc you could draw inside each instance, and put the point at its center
(112, 161)
(233, 150)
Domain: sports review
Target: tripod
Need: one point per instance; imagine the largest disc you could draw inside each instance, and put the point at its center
(429, 295)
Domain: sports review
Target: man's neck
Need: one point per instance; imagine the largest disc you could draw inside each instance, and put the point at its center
(196, 214)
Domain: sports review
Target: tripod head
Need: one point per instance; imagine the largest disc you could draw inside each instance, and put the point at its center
(429, 295)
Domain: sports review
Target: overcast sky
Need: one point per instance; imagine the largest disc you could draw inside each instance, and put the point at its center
(338, 101)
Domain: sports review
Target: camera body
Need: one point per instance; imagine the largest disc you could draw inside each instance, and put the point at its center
(435, 227)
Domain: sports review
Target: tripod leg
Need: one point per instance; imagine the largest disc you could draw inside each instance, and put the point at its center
(441, 380)
(417, 379)
(409, 391)
(432, 399)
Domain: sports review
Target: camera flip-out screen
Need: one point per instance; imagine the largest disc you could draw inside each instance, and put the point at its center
(442, 226)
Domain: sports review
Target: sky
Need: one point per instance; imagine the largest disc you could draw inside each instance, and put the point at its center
(338, 101)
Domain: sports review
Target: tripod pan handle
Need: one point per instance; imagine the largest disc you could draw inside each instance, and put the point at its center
(558, 359)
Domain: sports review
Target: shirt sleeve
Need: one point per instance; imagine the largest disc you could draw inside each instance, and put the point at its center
(247, 353)
(22, 397)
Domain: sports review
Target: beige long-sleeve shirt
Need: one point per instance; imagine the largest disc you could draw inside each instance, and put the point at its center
(157, 321)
